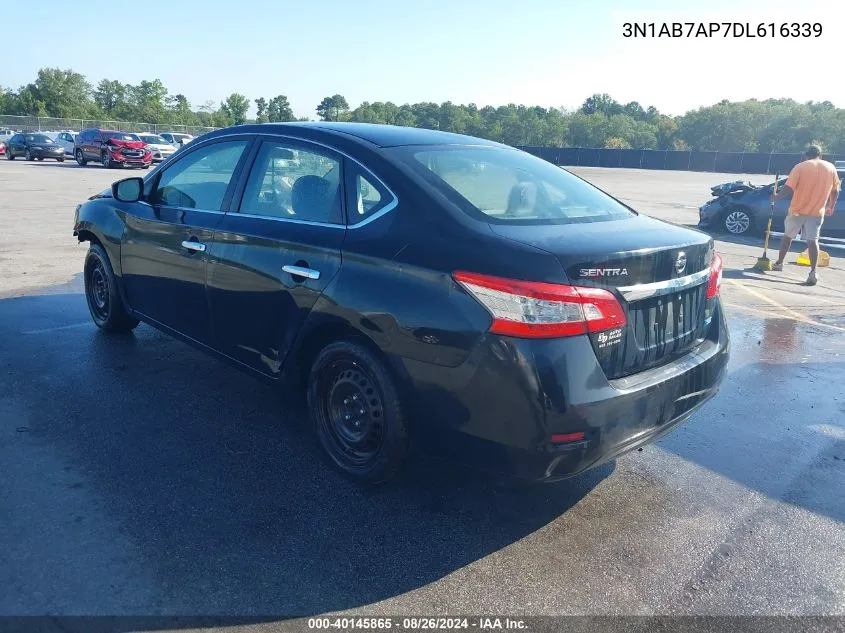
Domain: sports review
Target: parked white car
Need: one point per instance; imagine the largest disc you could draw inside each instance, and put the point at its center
(176, 138)
(159, 146)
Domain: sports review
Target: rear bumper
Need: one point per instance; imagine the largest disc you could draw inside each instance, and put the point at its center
(499, 410)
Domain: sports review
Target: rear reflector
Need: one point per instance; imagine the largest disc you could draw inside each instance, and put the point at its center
(566, 438)
(715, 276)
(530, 309)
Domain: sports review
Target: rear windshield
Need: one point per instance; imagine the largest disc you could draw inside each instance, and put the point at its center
(507, 186)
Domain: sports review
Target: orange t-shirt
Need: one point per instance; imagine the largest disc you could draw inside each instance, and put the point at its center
(812, 181)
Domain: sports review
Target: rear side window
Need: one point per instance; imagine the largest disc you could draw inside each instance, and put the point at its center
(295, 184)
(365, 195)
(506, 186)
(200, 179)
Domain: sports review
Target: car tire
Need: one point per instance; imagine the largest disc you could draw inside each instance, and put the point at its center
(80, 158)
(738, 220)
(357, 414)
(40, 157)
(105, 160)
(9, 155)
(146, 167)
(28, 155)
(103, 295)
(61, 160)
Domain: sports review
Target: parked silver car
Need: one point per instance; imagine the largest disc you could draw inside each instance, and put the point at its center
(159, 146)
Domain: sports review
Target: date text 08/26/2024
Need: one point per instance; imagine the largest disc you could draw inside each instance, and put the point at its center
(415, 623)
(786, 30)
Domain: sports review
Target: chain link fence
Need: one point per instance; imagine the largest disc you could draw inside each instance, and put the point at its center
(52, 124)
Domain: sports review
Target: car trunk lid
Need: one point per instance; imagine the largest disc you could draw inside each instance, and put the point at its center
(658, 271)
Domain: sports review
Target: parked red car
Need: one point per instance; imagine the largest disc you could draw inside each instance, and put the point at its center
(112, 148)
(2, 148)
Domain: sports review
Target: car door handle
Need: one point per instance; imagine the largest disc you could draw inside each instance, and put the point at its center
(299, 271)
(194, 246)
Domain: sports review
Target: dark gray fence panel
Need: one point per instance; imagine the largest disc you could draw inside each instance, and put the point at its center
(567, 156)
(588, 157)
(653, 159)
(728, 162)
(754, 163)
(610, 158)
(678, 160)
(702, 161)
(631, 158)
(783, 163)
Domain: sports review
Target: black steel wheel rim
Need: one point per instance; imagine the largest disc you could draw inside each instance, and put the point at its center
(351, 412)
(98, 290)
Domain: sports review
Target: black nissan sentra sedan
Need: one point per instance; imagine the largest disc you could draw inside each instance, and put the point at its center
(32, 145)
(419, 288)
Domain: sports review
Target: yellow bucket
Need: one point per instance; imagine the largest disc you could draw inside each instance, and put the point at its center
(804, 258)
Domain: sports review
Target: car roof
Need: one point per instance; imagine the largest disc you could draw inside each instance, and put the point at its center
(376, 133)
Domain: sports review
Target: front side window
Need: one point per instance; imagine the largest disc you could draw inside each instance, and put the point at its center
(506, 186)
(295, 184)
(200, 179)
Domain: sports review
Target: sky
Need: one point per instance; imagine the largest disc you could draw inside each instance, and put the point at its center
(551, 53)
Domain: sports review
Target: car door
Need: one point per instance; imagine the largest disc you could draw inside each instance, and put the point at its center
(67, 142)
(14, 145)
(275, 252)
(90, 146)
(164, 250)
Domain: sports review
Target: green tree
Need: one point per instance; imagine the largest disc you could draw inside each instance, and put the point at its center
(110, 96)
(235, 107)
(333, 108)
(279, 110)
(601, 104)
(63, 93)
(261, 110)
(146, 102)
(634, 110)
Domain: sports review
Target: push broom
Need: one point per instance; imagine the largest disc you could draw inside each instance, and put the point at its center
(764, 263)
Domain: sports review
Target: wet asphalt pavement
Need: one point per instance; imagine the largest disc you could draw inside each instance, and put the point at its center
(142, 477)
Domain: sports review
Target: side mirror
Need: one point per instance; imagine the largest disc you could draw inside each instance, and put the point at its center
(128, 189)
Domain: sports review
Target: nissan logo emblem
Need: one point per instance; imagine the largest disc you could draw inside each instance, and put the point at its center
(680, 263)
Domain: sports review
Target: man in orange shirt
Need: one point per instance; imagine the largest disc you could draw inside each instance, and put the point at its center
(814, 187)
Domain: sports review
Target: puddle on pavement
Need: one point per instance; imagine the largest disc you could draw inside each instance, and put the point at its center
(782, 340)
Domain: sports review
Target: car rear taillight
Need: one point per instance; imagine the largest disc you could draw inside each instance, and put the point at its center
(715, 276)
(529, 309)
(567, 438)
